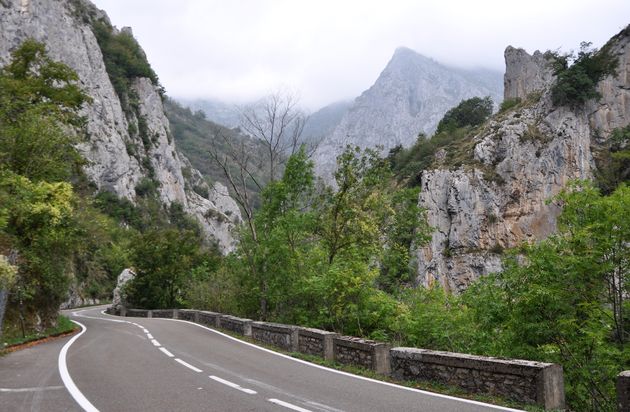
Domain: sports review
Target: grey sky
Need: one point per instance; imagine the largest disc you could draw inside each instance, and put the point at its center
(327, 50)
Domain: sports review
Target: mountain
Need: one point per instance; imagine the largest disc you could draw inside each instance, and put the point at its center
(196, 137)
(216, 111)
(500, 197)
(323, 122)
(129, 144)
(409, 97)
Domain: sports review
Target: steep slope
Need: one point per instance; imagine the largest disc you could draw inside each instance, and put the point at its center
(129, 139)
(409, 97)
(518, 161)
(216, 111)
(323, 122)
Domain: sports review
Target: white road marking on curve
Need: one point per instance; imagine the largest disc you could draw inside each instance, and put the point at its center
(65, 375)
(155, 343)
(149, 336)
(288, 405)
(363, 378)
(35, 389)
(233, 385)
(166, 352)
(188, 365)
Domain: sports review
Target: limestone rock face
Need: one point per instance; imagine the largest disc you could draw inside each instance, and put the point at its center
(409, 97)
(525, 74)
(64, 27)
(522, 158)
(125, 276)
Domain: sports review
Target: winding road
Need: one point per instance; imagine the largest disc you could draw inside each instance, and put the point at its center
(137, 364)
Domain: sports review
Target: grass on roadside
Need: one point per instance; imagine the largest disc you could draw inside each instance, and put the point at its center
(14, 337)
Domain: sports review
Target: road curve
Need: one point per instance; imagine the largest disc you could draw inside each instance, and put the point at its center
(134, 364)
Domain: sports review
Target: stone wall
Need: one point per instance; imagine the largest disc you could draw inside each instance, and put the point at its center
(187, 314)
(623, 391)
(282, 336)
(524, 381)
(236, 325)
(362, 352)
(163, 313)
(316, 342)
(138, 313)
(208, 318)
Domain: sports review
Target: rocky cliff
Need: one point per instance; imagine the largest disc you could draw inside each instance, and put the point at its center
(118, 158)
(521, 159)
(409, 97)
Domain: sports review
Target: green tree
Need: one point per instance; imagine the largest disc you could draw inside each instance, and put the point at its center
(470, 112)
(577, 76)
(163, 260)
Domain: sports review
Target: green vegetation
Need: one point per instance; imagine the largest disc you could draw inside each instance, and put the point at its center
(613, 161)
(508, 104)
(14, 337)
(470, 112)
(577, 76)
(124, 59)
(196, 137)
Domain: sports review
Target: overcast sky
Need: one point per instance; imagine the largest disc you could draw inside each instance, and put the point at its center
(328, 50)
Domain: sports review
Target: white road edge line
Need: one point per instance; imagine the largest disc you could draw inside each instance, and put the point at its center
(363, 378)
(149, 336)
(233, 385)
(155, 343)
(166, 352)
(35, 389)
(65, 375)
(188, 365)
(288, 405)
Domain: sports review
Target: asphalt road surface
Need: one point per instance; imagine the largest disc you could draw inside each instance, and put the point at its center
(137, 364)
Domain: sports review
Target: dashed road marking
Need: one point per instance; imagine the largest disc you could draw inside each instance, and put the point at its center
(155, 343)
(149, 336)
(288, 405)
(188, 365)
(233, 385)
(167, 353)
(35, 389)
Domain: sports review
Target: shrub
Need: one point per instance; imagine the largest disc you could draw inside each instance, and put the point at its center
(470, 112)
(509, 104)
(576, 83)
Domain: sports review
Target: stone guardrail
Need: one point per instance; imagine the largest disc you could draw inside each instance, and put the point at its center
(362, 352)
(163, 313)
(623, 391)
(316, 342)
(524, 381)
(282, 336)
(236, 325)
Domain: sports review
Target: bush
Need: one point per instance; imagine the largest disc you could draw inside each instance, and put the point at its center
(509, 104)
(576, 83)
(470, 112)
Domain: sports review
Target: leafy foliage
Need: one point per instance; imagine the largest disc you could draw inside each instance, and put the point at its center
(613, 161)
(124, 59)
(470, 112)
(577, 76)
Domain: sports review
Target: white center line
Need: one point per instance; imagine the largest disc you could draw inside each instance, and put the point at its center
(149, 336)
(288, 405)
(233, 385)
(167, 353)
(155, 343)
(188, 365)
(144, 330)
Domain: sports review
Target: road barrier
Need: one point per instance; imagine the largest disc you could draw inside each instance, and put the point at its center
(525, 381)
(282, 336)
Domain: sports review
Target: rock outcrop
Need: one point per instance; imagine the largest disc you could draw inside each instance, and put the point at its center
(409, 97)
(521, 159)
(118, 300)
(525, 74)
(118, 160)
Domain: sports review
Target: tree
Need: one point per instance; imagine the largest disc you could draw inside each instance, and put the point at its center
(163, 260)
(577, 76)
(39, 99)
(470, 112)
